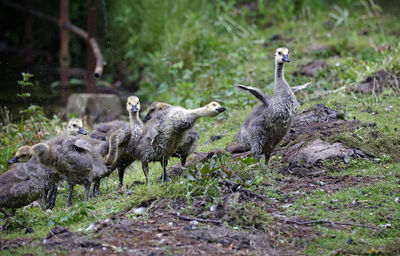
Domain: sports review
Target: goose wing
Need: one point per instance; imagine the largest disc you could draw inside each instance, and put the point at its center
(300, 87)
(83, 145)
(256, 92)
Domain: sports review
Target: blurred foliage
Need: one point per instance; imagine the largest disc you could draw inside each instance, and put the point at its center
(34, 126)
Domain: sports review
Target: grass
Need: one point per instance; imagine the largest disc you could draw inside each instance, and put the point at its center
(200, 60)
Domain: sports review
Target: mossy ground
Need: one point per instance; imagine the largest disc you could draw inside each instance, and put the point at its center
(355, 48)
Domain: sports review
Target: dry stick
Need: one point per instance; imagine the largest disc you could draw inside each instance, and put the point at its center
(183, 217)
(328, 222)
(77, 30)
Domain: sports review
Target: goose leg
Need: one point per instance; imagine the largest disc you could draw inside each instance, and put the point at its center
(51, 199)
(87, 191)
(121, 173)
(70, 192)
(96, 188)
(256, 150)
(43, 200)
(183, 161)
(145, 167)
(267, 156)
(164, 163)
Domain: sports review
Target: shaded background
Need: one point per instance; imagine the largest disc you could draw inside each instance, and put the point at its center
(165, 49)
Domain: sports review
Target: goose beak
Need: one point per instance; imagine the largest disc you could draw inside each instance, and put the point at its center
(286, 58)
(146, 118)
(220, 109)
(13, 160)
(82, 131)
(134, 109)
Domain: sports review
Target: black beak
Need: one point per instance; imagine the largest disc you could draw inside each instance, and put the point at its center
(134, 109)
(146, 118)
(13, 160)
(82, 131)
(220, 109)
(286, 58)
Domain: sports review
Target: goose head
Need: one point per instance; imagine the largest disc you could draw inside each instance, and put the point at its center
(212, 109)
(24, 154)
(154, 107)
(41, 150)
(282, 55)
(133, 104)
(75, 127)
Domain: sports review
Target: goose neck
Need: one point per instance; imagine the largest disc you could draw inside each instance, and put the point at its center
(198, 112)
(280, 82)
(134, 118)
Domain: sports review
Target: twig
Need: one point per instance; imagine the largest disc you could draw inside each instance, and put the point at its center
(312, 222)
(183, 217)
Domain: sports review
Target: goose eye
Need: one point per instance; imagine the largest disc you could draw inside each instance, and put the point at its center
(74, 125)
(279, 53)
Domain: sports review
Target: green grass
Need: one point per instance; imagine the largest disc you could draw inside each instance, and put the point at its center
(198, 57)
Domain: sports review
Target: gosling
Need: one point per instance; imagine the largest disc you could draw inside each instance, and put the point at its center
(269, 122)
(122, 139)
(165, 131)
(189, 142)
(72, 157)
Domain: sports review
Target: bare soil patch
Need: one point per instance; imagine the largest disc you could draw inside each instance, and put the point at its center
(378, 81)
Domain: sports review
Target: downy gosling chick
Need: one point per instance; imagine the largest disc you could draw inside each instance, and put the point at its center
(73, 158)
(122, 137)
(189, 142)
(164, 132)
(25, 181)
(269, 122)
(48, 178)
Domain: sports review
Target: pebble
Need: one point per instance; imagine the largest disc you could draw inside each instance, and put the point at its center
(213, 207)
(139, 210)
(194, 222)
(91, 226)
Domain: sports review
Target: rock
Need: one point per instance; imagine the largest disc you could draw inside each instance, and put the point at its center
(317, 150)
(139, 210)
(102, 107)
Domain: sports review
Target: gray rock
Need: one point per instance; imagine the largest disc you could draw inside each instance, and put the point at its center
(103, 107)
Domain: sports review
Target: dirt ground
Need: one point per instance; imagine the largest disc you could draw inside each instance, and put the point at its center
(164, 231)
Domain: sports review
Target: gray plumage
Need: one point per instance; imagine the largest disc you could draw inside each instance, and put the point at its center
(187, 146)
(24, 183)
(74, 158)
(122, 138)
(189, 140)
(165, 132)
(269, 122)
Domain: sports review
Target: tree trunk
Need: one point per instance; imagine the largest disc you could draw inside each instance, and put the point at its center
(92, 6)
(64, 51)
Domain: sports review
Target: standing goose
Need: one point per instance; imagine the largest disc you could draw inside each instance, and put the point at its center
(188, 143)
(163, 134)
(269, 122)
(122, 139)
(74, 158)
